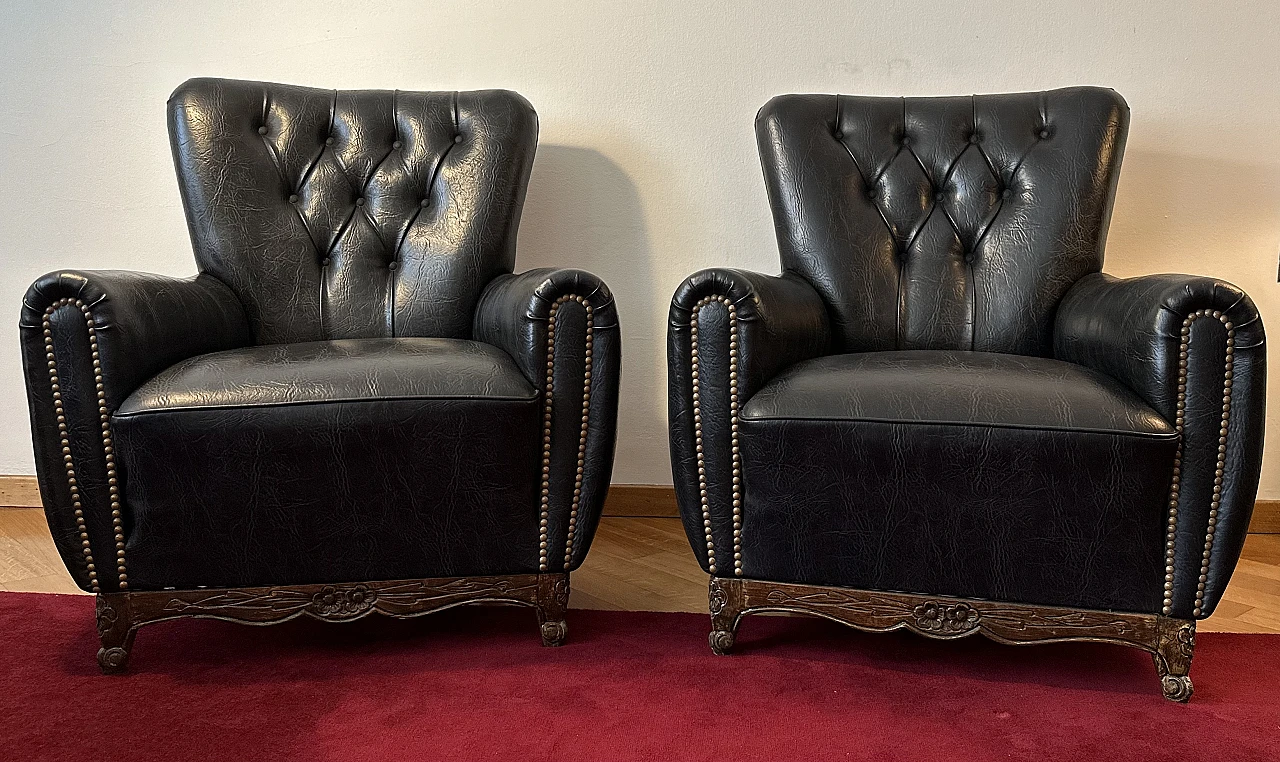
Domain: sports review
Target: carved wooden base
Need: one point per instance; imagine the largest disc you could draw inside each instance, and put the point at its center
(1169, 641)
(119, 615)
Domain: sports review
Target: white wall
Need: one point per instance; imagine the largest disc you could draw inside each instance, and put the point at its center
(647, 166)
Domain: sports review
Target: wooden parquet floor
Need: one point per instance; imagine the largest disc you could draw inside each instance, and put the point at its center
(644, 564)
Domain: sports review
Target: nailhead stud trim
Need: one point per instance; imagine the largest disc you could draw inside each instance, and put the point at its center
(544, 516)
(108, 447)
(582, 436)
(733, 427)
(1219, 469)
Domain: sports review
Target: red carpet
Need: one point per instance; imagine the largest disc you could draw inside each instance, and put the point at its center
(476, 684)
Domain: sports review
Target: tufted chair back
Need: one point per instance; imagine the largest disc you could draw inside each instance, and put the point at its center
(943, 223)
(351, 214)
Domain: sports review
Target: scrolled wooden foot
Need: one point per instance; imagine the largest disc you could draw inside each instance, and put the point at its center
(113, 661)
(115, 632)
(554, 633)
(721, 642)
(1177, 688)
(1175, 645)
(724, 600)
(553, 601)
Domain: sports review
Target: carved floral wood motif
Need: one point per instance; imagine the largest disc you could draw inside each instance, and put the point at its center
(1170, 641)
(119, 615)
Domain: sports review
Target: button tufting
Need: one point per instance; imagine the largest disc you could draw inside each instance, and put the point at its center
(457, 138)
(293, 198)
(1044, 134)
(939, 197)
(975, 138)
(906, 140)
(325, 262)
(425, 203)
(396, 145)
(262, 130)
(360, 201)
(871, 194)
(328, 141)
(839, 135)
(393, 266)
(1006, 193)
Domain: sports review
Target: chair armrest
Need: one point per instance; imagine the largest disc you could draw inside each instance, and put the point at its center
(89, 339)
(1194, 349)
(730, 333)
(561, 328)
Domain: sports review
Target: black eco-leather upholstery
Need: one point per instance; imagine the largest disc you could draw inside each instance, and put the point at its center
(995, 472)
(941, 394)
(354, 387)
(347, 453)
(362, 214)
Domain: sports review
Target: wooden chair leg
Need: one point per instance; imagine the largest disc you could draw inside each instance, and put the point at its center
(724, 600)
(115, 631)
(1175, 645)
(553, 600)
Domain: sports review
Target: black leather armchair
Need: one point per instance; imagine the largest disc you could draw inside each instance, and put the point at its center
(355, 406)
(942, 416)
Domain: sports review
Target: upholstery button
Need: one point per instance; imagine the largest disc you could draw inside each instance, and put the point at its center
(839, 135)
(425, 203)
(325, 262)
(328, 141)
(1006, 193)
(939, 197)
(393, 266)
(396, 145)
(906, 141)
(457, 138)
(360, 201)
(1044, 134)
(975, 138)
(871, 194)
(262, 130)
(293, 198)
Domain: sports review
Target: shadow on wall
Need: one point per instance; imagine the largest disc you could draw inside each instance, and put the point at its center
(1205, 215)
(1197, 214)
(583, 211)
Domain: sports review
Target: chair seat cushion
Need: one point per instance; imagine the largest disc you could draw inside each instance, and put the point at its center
(331, 461)
(333, 371)
(958, 473)
(957, 388)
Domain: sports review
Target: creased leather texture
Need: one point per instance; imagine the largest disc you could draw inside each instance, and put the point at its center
(352, 214)
(957, 473)
(142, 324)
(331, 461)
(961, 388)
(1131, 329)
(780, 320)
(943, 223)
(346, 370)
(514, 313)
(328, 400)
(941, 393)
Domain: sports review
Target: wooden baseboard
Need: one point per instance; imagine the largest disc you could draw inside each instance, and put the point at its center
(1266, 517)
(19, 492)
(640, 500)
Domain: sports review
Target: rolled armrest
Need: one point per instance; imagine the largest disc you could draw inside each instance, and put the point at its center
(731, 331)
(1194, 349)
(561, 328)
(89, 339)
